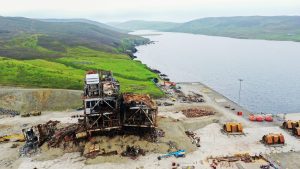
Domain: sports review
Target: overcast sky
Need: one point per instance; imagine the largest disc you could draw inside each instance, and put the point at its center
(164, 10)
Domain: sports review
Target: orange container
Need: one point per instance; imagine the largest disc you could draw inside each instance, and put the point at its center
(269, 118)
(276, 139)
(281, 137)
(260, 118)
(252, 118)
(234, 128)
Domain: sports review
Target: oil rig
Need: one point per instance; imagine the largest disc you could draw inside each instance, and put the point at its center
(106, 109)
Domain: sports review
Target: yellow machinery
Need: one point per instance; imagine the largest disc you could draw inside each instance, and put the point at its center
(233, 128)
(13, 137)
(273, 139)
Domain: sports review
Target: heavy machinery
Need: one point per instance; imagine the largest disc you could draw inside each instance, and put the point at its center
(233, 128)
(273, 139)
(13, 138)
(179, 153)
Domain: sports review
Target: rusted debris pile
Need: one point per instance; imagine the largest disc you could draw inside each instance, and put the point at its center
(33, 113)
(195, 139)
(8, 112)
(133, 152)
(165, 104)
(194, 97)
(37, 136)
(139, 99)
(95, 150)
(65, 134)
(228, 160)
(197, 112)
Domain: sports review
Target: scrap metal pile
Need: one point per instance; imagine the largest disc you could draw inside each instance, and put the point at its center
(218, 162)
(195, 139)
(197, 112)
(36, 136)
(133, 152)
(7, 112)
(65, 134)
(194, 97)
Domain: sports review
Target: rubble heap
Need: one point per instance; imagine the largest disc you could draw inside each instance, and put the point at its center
(9, 112)
(36, 136)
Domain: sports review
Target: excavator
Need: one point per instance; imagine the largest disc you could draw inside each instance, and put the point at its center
(179, 153)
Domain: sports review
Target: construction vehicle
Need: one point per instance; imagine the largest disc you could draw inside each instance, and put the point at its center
(273, 139)
(179, 153)
(233, 128)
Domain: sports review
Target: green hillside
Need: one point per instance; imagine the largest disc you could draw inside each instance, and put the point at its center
(81, 20)
(53, 37)
(286, 28)
(40, 56)
(249, 27)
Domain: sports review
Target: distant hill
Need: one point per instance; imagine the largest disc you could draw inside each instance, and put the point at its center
(101, 25)
(248, 27)
(31, 38)
(149, 25)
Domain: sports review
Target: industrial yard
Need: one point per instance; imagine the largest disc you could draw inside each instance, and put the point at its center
(192, 127)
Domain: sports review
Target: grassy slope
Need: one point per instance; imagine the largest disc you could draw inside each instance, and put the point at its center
(57, 54)
(68, 72)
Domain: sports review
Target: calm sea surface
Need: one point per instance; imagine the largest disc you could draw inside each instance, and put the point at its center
(270, 69)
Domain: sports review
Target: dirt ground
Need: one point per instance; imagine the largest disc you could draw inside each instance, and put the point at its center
(174, 124)
(26, 99)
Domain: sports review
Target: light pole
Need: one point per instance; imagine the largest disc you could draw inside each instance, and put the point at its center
(240, 80)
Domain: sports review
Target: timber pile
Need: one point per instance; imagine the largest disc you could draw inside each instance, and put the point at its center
(197, 112)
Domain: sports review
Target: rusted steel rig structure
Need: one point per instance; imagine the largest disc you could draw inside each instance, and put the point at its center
(106, 109)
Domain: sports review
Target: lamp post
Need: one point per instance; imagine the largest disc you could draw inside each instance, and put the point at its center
(240, 80)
